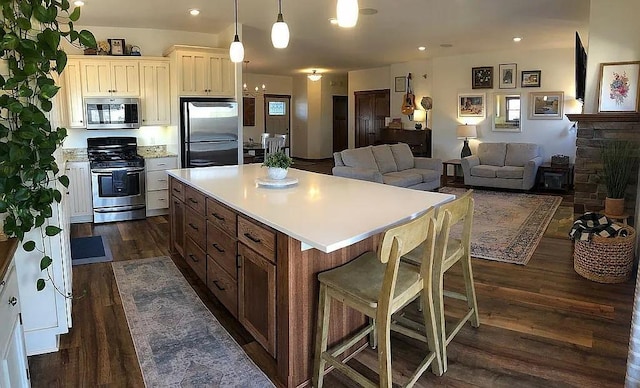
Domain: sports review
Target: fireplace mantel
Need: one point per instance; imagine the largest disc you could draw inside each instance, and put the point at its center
(600, 117)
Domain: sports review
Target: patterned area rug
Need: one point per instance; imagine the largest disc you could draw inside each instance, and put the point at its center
(508, 226)
(178, 341)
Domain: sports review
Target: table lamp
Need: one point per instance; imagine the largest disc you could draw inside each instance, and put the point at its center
(465, 132)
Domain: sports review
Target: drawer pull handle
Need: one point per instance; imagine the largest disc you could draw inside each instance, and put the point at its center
(13, 301)
(193, 200)
(193, 226)
(195, 260)
(162, 164)
(218, 247)
(218, 216)
(162, 180)
(161, 199)
(250, 237)
(215, 283)
(176, 190)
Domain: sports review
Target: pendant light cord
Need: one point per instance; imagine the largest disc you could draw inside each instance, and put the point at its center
(279, 6)
(236, 8)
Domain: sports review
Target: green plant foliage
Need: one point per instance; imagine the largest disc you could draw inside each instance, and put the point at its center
(278, 159)
(618, 159)
(30, 42)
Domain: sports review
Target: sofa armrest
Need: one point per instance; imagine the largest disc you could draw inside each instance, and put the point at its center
(358, 173)
(530, 172)
(337, 159)
(428, 163)
(467, 163)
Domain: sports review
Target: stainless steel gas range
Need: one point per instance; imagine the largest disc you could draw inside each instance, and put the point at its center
(117, 179)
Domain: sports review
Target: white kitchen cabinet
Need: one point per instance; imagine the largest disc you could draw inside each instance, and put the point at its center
(155, 92)
(203, 71)
(14, 369)
(80, 200)
(46, 314)
(107, 78)
(72, 91)
(158, 184)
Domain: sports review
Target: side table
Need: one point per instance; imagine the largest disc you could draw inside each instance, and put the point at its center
(555, 177)
(457, 179)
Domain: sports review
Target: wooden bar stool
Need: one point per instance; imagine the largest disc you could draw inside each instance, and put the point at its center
(453, 250)
(378, 285)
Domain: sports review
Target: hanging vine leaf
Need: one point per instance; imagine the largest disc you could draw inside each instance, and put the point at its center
(30, 42)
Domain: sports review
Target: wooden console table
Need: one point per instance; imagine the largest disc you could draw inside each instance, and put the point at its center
(419, 140)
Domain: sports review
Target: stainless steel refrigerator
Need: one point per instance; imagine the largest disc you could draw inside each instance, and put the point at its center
(208, 132)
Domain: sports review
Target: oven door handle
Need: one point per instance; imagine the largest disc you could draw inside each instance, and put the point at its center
(110, 170)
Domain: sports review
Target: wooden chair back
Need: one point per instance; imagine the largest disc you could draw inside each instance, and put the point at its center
(273, 145)
(461, 210)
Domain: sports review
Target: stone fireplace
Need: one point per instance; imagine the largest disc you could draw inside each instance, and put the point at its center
(594, 130)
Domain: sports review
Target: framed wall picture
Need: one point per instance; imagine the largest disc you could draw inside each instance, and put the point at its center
(117, 46)
(530, 78)
(546, 105)
(618, 87)
(482, 77)
(472, 105)
(248, 111)
(508, 73)
(401, 84)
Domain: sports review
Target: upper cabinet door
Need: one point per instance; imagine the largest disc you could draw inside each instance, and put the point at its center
(154, 82)
(221, 76)
(96, 78)
(72, 89)
(193, 79)
(125, 81)
(110, 78)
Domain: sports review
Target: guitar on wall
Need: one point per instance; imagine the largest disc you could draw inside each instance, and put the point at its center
(409, 100)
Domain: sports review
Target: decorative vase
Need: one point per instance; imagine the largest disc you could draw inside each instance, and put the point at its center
(614, 206)
(277, 172)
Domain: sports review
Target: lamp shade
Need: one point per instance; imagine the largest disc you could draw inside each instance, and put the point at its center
(280, 33)
(236, 51)
(466, 131)
(347, 12)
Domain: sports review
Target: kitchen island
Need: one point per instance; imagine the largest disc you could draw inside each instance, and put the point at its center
(259, 249)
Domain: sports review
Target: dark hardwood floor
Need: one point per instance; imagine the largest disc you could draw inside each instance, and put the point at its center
(542, 325)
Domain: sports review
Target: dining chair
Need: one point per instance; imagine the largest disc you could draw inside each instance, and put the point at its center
(451, 251)
(273, 145)
(378, 284)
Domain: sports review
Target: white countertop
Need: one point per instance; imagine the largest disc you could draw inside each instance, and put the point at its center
(322, 211)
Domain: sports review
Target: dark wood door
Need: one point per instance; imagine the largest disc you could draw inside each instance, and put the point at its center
(371, 107)
(340, 123)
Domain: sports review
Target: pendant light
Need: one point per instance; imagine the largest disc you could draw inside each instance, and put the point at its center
(347, 12)
(280, 30)
(236, 51)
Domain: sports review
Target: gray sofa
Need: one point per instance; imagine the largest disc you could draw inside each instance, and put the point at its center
(389, 164)
(503, 165)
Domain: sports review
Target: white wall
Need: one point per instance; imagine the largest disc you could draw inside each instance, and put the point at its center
(367, 79)
(614, 36)
(421, 83)
(275, 84)
(331, 85)
(452, 75)
(300, 110)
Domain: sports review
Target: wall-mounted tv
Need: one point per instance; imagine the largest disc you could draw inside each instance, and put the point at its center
(581, 69)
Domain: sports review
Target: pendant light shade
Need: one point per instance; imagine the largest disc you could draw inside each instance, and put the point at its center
(280, 30)
(347, 12)
(236, 51)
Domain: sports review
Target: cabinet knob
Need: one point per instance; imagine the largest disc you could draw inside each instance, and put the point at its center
(13, 301)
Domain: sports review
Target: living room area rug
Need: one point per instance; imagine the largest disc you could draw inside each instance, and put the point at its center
(508, 226)
(179, 343)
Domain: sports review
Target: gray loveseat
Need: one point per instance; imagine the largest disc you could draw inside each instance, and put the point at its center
(503, 165)
(390, 164)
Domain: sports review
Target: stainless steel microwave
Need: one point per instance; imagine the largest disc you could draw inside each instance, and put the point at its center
(112, 113)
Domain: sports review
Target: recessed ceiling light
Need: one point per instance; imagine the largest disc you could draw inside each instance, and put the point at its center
(517, 39)
(194, 12)
(368, 11)
(333, 20)
(78, 3)
(422, 48)
(446, 45)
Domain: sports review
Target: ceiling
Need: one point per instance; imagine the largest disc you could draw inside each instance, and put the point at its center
(392, 35)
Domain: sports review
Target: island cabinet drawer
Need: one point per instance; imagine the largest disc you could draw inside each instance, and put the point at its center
(260, 238)
(196, 227)
(197, 259)
(223, 286)
(195, 199)
(222, 248)
(177, 189)
(222, 216)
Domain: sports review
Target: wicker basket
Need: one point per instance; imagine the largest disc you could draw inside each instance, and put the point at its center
(605, 260)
